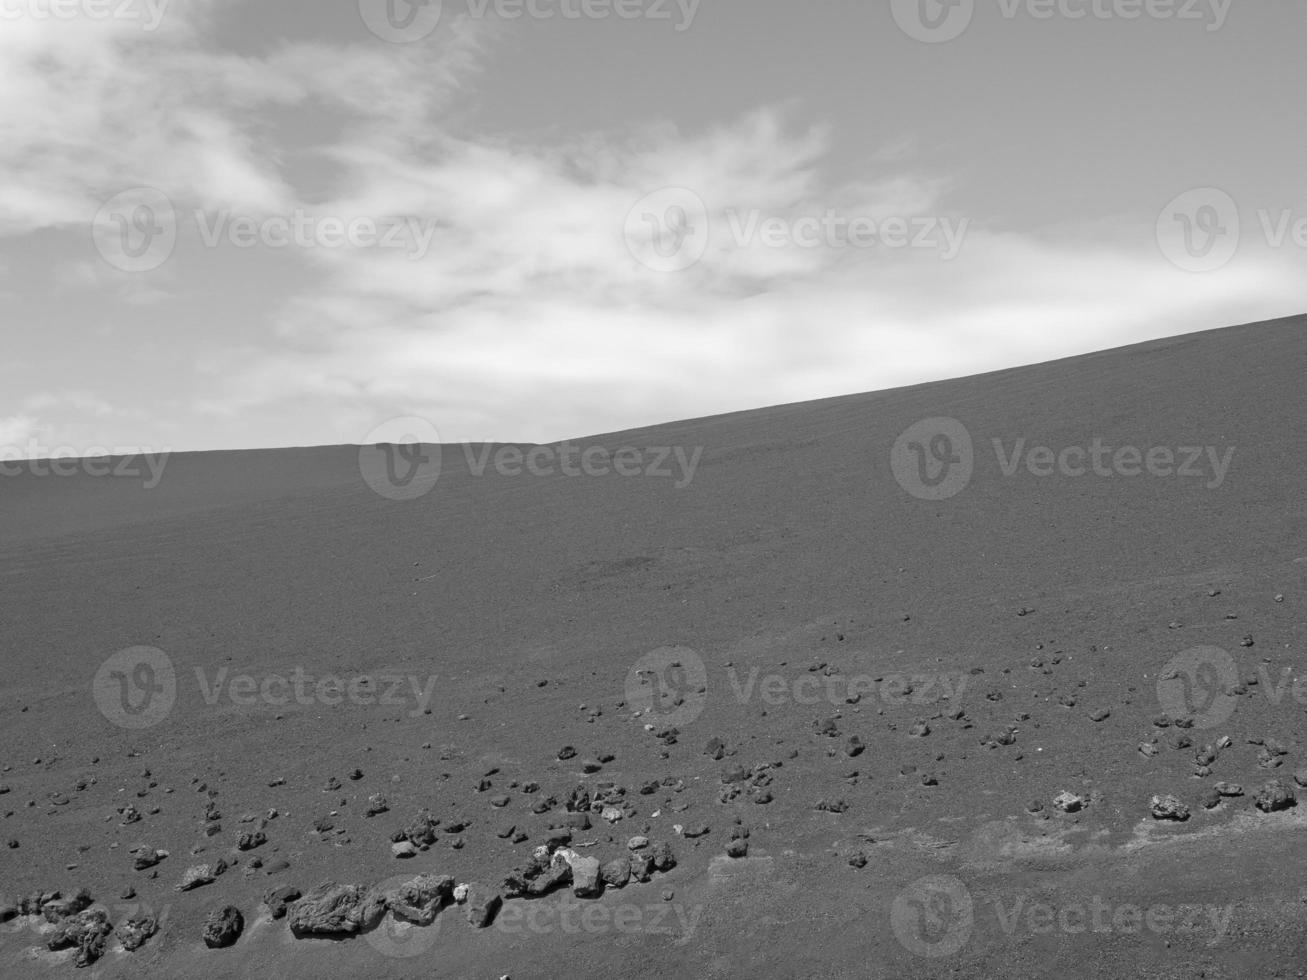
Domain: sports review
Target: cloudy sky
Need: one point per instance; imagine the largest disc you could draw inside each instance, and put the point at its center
(255, 223)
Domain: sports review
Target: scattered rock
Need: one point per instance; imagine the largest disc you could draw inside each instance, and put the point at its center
(146, 857)
(1069, 802)
(1275, 795)
(1168, 808)
(201, 874)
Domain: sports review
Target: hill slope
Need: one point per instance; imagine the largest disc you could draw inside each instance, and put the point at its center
(814, 594)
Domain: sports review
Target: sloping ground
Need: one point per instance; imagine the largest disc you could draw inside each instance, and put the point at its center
(814, 590)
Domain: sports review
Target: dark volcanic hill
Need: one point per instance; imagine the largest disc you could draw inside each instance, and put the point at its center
(887, 692)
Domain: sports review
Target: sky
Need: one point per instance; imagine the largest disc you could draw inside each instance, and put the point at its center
(257, 223)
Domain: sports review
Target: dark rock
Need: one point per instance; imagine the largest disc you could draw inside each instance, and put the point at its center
(420, 831)
(146, 857)
(616, 873)
(831, 806)
(1276, 794)
(663, 858)
(571, 821)
(87, 930)
(279, 898)
(420, 899)
(222, 927)
(61, 906)
(336, 910)
(642, 866)
(482, 904)
(134, 932)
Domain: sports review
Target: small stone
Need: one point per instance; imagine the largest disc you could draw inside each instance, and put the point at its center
(1069, 802)
(201, 874)
(403, 849)
(278, 899)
